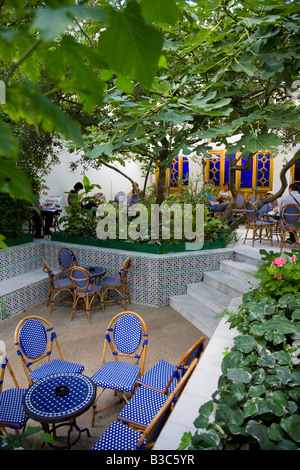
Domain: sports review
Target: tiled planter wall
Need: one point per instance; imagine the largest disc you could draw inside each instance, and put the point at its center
(152, 280)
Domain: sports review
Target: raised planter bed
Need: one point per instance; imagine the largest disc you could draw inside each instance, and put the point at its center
(141, 247)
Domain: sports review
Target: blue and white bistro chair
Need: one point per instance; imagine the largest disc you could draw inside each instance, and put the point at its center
(289, 219)
(12, 414)
(66, 260)
(120, 436)
(127, 338)
(56, 286)
(261, 229)
(164, 376)
(118, 285)
(85, 289)
(34, 340)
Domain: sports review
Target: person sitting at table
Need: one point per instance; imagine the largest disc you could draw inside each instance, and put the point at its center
(292, 198)
(73, 194)
(134, 196)
(225, 195)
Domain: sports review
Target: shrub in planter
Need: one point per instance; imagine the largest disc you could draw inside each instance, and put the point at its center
(14, 213)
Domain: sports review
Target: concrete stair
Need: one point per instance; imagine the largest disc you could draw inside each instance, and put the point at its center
(219, 290)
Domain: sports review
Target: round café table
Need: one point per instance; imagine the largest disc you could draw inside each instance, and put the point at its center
(95, 271)
(57, 400)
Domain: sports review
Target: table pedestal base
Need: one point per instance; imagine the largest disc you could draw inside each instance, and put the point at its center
(72, 425)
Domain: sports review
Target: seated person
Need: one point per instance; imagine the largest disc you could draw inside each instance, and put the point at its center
(133, 194)
(72, 196)
(225, 195)
(273, 206)
(216, 206)
(292, 198)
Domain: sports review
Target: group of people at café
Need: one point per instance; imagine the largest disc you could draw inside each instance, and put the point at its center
(48, 213)
(222, 200)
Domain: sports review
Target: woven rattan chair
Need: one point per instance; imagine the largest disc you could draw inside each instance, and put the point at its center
(289, 217)
(12, 414)
(239, 207)
(66, 259)
(120, 436)
(127, 337)
(85, 289)
(34, 339)
(118, 284)
(164, 376)
(258, 225)
(56, 286)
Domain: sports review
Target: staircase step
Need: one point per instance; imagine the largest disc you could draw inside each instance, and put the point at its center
(199, 315)
(207, 295)
(240, 269)
(248, 255)
(226, 283)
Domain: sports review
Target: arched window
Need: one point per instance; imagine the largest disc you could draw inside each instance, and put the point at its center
(178, 174)
(259, 176)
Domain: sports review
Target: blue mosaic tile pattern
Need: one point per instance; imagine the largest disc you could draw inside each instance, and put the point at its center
(152, 280)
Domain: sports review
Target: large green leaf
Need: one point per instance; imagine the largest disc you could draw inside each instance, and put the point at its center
(158, 11)
(14, 181)
(130, 45)
(8, 142)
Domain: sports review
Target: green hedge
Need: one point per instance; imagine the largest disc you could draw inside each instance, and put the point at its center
(138, 246)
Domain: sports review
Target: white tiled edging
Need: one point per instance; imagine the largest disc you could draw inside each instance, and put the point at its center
(199, 389)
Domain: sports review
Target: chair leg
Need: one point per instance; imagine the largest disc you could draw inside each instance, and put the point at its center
(75, 301)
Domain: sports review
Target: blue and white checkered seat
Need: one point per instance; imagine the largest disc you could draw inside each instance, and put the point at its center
(118, 436)
(127, 337)
(158, 376)
(34, 343)
(164, 376)
(142, 407)
(12, 413)
(117, 376)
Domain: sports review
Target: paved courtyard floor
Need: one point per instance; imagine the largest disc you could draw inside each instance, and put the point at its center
(170, 335)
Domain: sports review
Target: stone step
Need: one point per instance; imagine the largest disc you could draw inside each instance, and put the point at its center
(196, 313)
(248, 255)
(226, 283)
(240, 269)
(207, 295)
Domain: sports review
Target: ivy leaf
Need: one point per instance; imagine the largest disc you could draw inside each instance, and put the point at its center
(260, 433)
(245, 343)
(239, 376)
(291, 424)
(205, 412)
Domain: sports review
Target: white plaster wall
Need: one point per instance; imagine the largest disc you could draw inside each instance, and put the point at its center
(61, 179)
